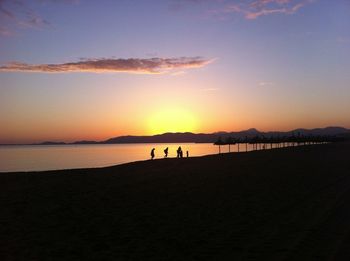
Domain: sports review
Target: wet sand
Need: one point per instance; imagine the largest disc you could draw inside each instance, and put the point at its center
(281, 204)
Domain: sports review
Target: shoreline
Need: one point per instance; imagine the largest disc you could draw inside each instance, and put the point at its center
(141, 160)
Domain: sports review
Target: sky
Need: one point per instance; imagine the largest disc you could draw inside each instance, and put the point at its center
(90, 70)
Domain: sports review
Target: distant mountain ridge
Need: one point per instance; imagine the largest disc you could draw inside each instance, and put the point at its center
(210, 138)
(184, 137)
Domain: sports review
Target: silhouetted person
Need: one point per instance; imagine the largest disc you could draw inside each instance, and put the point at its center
(179, 152)
(152, 153)
(166, 152)
(187, 153)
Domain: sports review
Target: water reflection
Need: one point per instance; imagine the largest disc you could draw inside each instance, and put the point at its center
(37, 158)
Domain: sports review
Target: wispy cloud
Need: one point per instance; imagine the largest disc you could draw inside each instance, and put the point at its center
(132, 65)
(4, 12)
(253, 9)
(19, 14)
(178, 73)
(33, 20)
(5, 31)
(262, 84)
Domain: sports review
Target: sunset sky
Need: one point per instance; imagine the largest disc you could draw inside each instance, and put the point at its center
(90, 70)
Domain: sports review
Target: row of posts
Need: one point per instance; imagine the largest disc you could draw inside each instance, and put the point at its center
(262, 143)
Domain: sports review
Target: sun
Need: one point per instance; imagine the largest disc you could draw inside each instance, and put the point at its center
(172, 120)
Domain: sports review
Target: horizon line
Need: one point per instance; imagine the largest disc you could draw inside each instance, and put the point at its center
(60, 142)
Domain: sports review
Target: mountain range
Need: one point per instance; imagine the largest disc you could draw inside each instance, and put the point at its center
(184, 137)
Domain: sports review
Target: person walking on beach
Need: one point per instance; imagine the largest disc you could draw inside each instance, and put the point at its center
(152, 153)
(166, 152)
(187, 153)
(179, 152)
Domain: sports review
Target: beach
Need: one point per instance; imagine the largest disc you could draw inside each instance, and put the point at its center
(280, 204)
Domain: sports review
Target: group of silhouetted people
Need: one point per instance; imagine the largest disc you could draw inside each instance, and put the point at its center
(166, 151)
(179, 153)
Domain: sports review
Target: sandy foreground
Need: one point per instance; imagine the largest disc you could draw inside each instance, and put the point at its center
(281, 204)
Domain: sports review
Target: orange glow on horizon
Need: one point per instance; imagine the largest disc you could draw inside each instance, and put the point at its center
(171, 120)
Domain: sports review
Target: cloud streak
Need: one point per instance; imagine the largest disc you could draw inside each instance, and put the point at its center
(254, 9)
(5, 31)
(33, 20)
(265, 84)
(18, 14)
(132, 65)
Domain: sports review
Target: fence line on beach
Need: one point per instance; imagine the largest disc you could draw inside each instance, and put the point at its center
(262, 143)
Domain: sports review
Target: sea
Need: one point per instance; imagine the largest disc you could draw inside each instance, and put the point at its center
(15, 158)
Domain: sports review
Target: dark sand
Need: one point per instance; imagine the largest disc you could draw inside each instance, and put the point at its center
(282, 204)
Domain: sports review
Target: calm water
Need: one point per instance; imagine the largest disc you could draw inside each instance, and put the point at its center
(29, 158)
(36, 158)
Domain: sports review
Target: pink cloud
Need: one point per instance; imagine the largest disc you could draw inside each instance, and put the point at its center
(132, 65)
(254, 9)
(4, 31)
